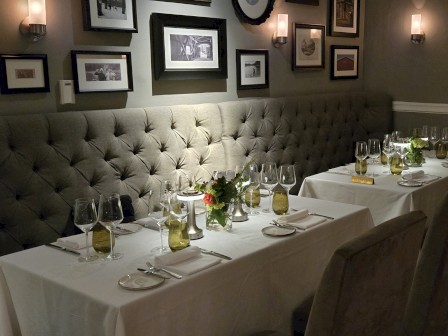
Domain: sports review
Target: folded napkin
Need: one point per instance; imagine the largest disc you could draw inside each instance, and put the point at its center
(187, 261)
(413, 175)
(148, 222)
(76, 242)
(301, 219)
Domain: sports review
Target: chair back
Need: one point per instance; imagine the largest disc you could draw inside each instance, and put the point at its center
(427, 310)
(365, 286)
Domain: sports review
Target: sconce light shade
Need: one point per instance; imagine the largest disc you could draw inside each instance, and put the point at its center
(417, 34)
(35, 24)
(281, 34)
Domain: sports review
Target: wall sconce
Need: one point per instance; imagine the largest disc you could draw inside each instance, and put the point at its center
(417, 34)
(35, 24)
(281, 34)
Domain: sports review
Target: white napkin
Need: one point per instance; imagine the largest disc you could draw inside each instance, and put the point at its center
(148, 222)
(186, 261)
(75, 242)
(343, 170)
(300, 219)
(413, 175)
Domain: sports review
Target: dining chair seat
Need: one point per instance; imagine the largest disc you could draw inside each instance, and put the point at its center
(365, 286)
(427, 308)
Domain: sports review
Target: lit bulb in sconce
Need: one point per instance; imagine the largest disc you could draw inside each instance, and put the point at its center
(281, 33)
(417, 34)
(35, 24)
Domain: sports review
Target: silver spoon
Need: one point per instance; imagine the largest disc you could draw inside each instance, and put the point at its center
(157, 269)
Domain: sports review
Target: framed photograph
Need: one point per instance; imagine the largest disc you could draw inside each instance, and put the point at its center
(188, 47)
(344, 18)
(344, 62)
(101, 71)
(252, 69)
(308, 50)
(305, 2)
(254, 12)
(110, 15)
(24, 73)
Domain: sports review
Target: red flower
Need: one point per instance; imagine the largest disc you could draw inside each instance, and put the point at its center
(209, 199)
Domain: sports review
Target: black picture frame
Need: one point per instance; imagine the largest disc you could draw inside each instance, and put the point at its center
(188, 47)
(101, 71)
(254, 14)
(113, 19)
(305, 2)
(24, 73)
(308, 51)
(343, 18)
(344, 62)
(252, 69)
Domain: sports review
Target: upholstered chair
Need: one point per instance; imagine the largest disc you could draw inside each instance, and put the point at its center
(427, 310)
(365, 286)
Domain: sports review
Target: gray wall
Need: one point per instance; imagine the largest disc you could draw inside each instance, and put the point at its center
(409, 72)
(65, 32)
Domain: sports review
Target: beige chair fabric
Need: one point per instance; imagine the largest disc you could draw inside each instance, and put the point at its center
(365, 286)
(427, 310)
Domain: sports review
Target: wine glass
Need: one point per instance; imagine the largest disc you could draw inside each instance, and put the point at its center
(373, 149)
(424, 133)
(253, 183)
(110, 214)
(160, 217)
(269, 180)
(361, 152)
(85, 218)
(444, 136)
(388, 148)
(434, 136)
(287, 177)
(402, 149)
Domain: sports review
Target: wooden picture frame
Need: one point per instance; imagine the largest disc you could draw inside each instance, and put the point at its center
(254, 12)
(343, 18)
(305, 2)
(252, 69)
(100, 15)
(344, 62)
(24, 73)
(188, 47)
(101, 71)
(308, 51)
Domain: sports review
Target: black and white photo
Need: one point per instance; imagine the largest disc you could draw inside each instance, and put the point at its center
(101, 71)
(110, 15)
(252, 69)
(188, 47)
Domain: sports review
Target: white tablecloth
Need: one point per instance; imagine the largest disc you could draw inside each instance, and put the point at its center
(385, 199)
(51, 293)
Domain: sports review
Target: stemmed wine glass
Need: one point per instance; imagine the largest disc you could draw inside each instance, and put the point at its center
(373, 149)
(110, 214)
(287, 177)
(269, 180)
(160, 217)
(434, 137)
(85, 218)
(388, 148)
(361, 153)
(253, 183)
(444, 136)
(424, 133)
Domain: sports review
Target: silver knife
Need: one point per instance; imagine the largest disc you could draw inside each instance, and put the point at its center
(152, 272)
(216, 254)
(60, 248)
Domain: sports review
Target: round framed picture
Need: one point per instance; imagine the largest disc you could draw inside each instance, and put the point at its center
(253, 11)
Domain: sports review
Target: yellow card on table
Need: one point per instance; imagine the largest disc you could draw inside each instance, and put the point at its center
(363, 180)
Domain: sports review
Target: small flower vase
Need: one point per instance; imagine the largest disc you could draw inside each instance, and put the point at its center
(219, 219)
(415, 158)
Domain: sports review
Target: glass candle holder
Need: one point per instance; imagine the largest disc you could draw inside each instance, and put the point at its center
(396, 165)
(280, 203)
(361, 167)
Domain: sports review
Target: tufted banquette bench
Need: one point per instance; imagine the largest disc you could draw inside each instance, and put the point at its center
(49, 160)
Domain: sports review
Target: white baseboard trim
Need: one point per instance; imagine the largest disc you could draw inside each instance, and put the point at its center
(399, 106)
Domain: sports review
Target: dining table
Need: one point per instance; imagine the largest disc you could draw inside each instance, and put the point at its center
(46, 291)
(389, 196)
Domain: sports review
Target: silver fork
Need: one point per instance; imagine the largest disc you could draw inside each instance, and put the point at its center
(158, 269)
